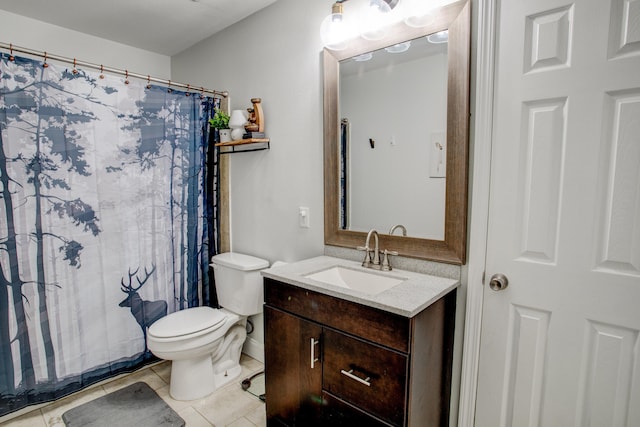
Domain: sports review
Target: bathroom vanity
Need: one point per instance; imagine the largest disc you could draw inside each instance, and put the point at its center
(337, 355)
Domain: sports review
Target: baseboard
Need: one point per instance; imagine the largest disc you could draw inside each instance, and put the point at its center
(254, 349)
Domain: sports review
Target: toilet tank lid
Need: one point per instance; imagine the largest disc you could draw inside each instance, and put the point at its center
(240, 261)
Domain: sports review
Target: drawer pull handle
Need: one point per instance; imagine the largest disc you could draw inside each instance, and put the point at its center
(354, 377)
(314, 359)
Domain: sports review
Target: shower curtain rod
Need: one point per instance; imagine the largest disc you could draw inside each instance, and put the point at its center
(12, 48)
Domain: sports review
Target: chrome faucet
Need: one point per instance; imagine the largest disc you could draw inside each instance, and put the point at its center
(372, 256)
(368, 259)
(400, 226)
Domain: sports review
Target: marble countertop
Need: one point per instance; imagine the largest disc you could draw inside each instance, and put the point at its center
(408, 298)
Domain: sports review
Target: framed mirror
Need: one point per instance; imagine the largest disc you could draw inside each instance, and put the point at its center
(380, 173)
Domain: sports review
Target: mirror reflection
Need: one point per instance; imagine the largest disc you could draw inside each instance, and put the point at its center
(392, 138)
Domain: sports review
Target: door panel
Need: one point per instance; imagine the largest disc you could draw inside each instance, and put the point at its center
(561, 344)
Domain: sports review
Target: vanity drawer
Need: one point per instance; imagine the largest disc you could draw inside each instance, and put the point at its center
(368, 376)
(373, 324)
(341, 414)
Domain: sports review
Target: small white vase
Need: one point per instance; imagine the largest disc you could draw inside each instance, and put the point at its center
(236, 133)
(225, 135)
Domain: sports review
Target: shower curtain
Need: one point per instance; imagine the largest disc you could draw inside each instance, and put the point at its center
(107, 222)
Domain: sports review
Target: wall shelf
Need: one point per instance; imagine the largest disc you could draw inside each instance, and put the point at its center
(244, 145)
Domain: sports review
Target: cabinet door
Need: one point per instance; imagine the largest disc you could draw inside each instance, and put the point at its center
(293, 379)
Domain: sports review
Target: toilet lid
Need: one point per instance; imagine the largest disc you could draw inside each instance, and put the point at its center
(188, 321)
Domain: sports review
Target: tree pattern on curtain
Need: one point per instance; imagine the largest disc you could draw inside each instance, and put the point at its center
(106, 222)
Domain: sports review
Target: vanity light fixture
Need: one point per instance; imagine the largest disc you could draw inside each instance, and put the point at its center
(372, 22)
(336, 29)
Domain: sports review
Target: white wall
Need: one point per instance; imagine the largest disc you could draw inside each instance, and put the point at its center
(274, 55)
(41, 36)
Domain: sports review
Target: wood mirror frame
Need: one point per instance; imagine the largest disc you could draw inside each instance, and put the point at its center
(454, 17)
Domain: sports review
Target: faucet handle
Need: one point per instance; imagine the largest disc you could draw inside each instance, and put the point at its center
(367, 255)
(385, 260)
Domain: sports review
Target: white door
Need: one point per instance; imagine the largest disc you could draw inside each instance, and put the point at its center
(560, 346)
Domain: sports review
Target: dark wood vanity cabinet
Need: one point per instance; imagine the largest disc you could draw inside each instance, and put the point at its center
(332, 362)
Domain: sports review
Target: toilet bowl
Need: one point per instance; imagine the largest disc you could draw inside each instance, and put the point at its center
(204, 344)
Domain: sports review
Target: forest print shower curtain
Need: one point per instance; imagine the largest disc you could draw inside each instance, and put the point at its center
(106, 222)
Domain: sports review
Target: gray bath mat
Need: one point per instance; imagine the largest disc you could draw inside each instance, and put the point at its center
(134, 406)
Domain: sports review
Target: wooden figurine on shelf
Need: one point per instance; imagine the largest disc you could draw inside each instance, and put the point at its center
(255, 123)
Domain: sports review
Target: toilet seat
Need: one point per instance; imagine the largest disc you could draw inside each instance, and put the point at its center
(191, 321)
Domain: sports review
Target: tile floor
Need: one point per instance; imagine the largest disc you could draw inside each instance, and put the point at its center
(229, 406)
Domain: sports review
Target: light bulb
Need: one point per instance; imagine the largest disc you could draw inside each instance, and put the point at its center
(418, 13)
(383, 6)
(335, 29)
(376, 19)
(373, 24)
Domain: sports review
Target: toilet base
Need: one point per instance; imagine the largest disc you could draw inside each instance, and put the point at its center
(192, 379)
(226, 372)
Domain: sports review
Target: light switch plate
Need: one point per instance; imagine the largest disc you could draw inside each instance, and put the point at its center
(303, 217)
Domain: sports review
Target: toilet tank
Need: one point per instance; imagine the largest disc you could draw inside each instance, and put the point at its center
(239, 283)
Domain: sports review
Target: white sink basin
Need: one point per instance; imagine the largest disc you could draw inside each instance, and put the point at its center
(369, 283)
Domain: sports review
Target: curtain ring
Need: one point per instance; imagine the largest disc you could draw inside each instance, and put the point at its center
(148, 81)
(126, 77)
(44, 64)
(101, 71)
(75, 71)
(169, 88)
(11, 57)
(201, 92)
(188, 87)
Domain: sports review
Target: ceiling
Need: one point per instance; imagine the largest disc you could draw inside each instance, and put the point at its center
(163, 26)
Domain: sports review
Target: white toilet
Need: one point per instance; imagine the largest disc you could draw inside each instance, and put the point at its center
(203, 343)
